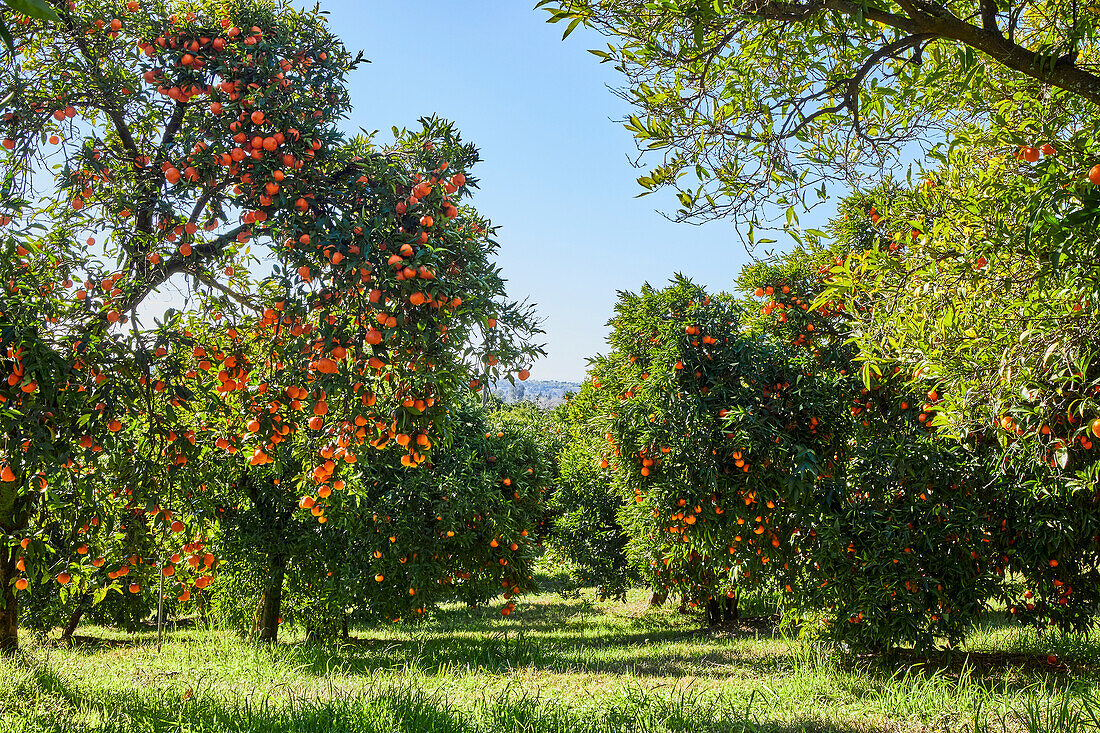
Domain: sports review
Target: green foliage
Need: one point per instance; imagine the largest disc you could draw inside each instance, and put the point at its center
(979, 282)
(750, 452)
(584, 507)
(775, 102)
(458, 527)
(707, 433)
(191, 140)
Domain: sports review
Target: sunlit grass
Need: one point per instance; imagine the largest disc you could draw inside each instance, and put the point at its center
(557, 664)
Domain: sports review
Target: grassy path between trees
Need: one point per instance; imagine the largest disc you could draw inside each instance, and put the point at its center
(559, 664)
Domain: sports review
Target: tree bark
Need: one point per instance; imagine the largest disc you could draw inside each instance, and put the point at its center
(267, 616)
(658, 598)
(9, 605)
(733, 613)
(74, 619)
(714, 613)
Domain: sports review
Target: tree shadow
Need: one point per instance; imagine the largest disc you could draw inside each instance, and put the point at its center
(383, 709)
(984, 665)
(558, 638)
(650, 652)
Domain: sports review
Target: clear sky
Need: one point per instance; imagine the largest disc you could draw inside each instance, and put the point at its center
(556, 175)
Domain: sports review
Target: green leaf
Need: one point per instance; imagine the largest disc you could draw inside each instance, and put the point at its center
(34, 8)
(5, 35)
(570, 28)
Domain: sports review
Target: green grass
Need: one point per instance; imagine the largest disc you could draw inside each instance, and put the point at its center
(556, 665)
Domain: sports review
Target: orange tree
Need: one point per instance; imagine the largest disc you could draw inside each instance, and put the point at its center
(582, 524)
(710, 437)
(379, 541)
(750, 453)
(352, 365)
(896, 546)
(110, 129)
(182, 134)
(983, 279)
(462, 527)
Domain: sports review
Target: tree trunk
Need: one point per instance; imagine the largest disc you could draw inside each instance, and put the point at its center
(9, 606)
(344, 633)
(733, 613)
(714, 613)
(658, 598)
(267, 616)
(74, 619)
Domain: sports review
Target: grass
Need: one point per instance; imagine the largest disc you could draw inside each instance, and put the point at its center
(557, 664)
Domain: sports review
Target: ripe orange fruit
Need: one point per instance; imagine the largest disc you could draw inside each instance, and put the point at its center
(21, 584)
(6, 474)
(1095, 427)
(523, 374)
(326, 366)
(64, 578)
(134, 588)
(1094, 174)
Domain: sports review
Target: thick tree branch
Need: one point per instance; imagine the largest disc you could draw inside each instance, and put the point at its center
(937, 21)
(989, 16)
(170, 130)
(1042, 67)
(109, 105)
(155, 277)
(795, 12)
(204, 199)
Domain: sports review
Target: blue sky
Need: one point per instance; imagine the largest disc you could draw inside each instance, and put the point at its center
(556, 176)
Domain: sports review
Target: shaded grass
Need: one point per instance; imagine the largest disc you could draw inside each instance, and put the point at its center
(557, 664)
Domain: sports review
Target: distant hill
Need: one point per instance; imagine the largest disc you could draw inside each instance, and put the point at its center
(544, 393)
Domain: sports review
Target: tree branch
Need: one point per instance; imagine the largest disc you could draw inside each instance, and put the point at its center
(205, 278)
(172, 128)
(989, 16)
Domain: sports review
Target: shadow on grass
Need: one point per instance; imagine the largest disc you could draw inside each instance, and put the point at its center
(572, 636)
(57, 706)
(673, 653)
(988, 664)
